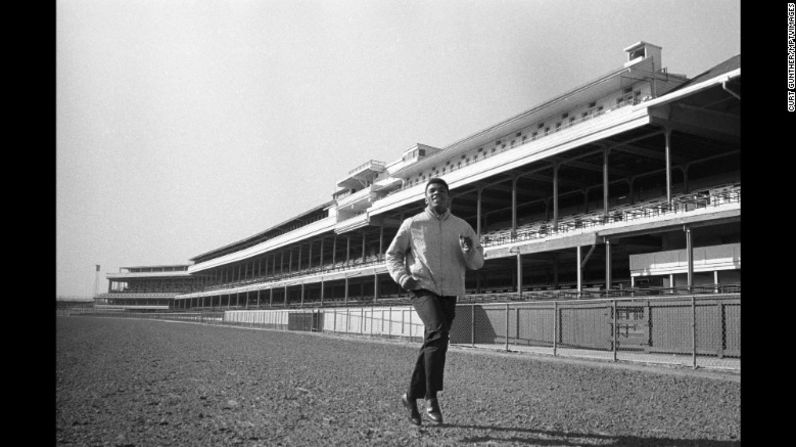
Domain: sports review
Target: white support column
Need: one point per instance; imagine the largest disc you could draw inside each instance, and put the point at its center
(605, 182)
(375, 286)
(322, 291)
(345, 293)
(555, 197)
(519, 275)
(690, 255)
(608, 278)
(579, 258)
(668, 136)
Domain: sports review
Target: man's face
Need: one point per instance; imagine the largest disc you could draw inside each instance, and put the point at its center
(437, 197)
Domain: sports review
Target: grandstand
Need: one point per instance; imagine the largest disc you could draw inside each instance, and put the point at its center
(624, 186)
(146, 288)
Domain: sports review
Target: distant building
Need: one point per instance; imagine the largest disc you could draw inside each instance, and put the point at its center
(146, 287)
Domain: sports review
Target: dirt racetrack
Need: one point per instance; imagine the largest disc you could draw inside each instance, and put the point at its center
(126, 382)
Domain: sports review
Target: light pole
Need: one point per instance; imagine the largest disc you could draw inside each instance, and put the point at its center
(96, 281)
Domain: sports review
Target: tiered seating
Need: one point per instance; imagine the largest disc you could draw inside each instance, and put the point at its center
(651, 207)
(337, 266)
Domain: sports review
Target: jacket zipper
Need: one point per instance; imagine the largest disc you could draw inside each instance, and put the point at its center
(439, 258)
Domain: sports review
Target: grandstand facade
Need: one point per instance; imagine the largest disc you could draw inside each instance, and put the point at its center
(628, 184)
(146, 287)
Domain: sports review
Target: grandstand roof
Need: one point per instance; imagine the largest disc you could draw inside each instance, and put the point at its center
(718, 69)
(595, 88)
(149, 295)
(153, 267)
(261, 236)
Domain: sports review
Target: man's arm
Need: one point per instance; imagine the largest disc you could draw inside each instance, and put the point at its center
(396, 255)
(471, 249)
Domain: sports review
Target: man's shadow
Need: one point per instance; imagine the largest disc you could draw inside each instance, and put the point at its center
(545, 437)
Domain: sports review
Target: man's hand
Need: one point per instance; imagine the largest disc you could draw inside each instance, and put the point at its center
(411, 284)
(466, 243)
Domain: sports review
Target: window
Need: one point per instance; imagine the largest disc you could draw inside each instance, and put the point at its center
(627, 90)
(592, 104)
(519, 134)
(565, 115)
(422, 152)
(540, 125)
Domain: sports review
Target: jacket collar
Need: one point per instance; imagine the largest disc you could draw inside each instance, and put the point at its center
(442, 216)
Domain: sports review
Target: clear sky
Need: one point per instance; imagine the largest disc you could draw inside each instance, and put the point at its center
(182, 126)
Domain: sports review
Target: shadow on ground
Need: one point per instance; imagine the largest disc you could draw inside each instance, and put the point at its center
(536, 437)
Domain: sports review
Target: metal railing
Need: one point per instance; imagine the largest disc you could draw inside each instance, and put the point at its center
(374, 164)
(678, 329)
(687, 330)
(683, 203)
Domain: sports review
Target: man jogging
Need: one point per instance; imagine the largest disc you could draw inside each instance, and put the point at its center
(428, 257)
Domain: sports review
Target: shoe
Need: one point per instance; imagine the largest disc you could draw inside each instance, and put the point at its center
(432, 410)
(414, 415)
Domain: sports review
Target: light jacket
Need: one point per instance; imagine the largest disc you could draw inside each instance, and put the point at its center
(427, 248)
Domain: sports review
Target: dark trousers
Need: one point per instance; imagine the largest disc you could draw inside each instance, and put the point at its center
(437, 313)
